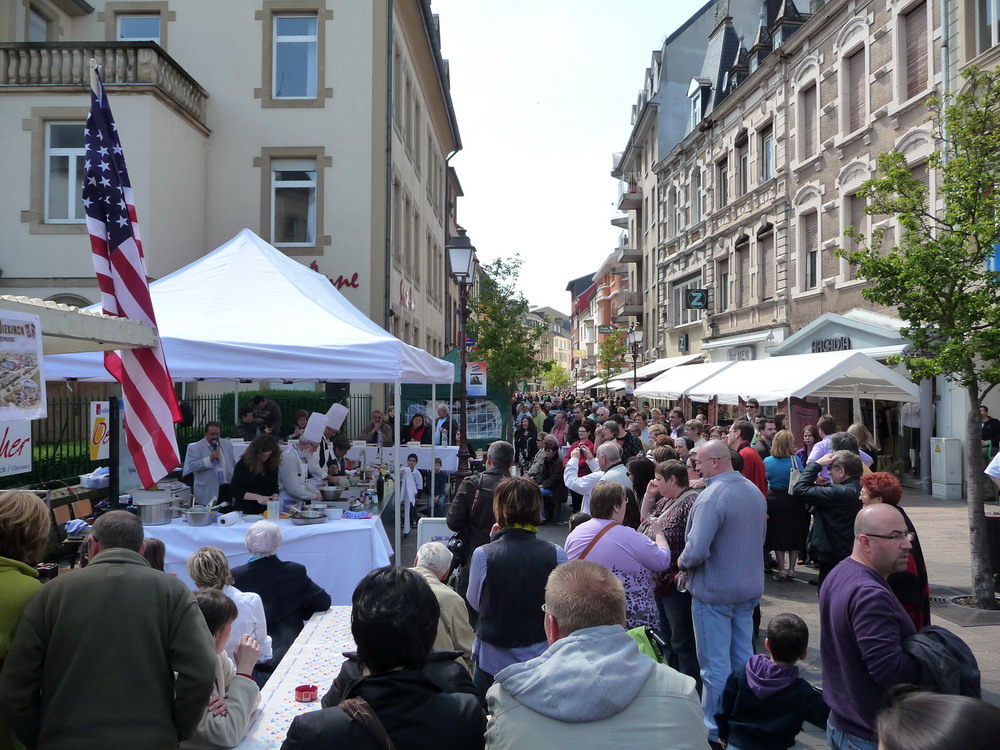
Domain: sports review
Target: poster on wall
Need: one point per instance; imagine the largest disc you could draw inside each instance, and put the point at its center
(15, 448)
(100, 434)
(475, 379)
(22, 387)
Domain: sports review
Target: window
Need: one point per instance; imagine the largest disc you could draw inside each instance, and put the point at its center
(695, 114)
(743, 167)
(397, 220)
(722, 288)
(765, 261)
(915, 39)
(766, 153)
(743, 268)
(854, 67)
(293, 199)
(854, 216)
(295, 47)
(987, 24)
(921, 175)
(38, 26)
(810, 249)
(722, 172)
(678, 294)
(696, 206)
(138, 28)
(64, 158)
(808, 131)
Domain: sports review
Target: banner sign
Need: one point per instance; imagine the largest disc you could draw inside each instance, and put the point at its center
(15, 447)
(22, 387)
(475, 379)
(100, 430)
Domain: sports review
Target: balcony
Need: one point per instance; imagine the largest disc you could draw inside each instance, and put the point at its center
(56, 67)
(620, 220)
(629, 304)
(619, 270)
(629, 192)
(628, 255)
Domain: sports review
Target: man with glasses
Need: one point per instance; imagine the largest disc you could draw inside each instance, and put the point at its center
(863, 626)
(725, 534)
(834, 507)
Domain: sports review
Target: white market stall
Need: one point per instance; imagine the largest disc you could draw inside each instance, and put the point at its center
(674, 383)
(246, 311)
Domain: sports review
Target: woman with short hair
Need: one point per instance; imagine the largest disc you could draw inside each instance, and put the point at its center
(632, 556)
(507, 582)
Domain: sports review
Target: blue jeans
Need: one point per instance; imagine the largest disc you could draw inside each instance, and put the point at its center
(724, 636)
(546, 493)
(840, 740)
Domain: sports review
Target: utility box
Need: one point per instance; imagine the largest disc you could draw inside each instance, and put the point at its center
(946, 468)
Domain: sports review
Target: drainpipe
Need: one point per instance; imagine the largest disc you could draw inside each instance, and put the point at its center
(387, 302)
(945, 72)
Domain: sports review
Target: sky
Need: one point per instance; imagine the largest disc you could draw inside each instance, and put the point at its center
(543, 93)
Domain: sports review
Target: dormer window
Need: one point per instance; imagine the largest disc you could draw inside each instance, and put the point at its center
(697, 95)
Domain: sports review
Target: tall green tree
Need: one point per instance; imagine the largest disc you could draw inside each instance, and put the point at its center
(504, 341)
(611, 355)
(554, 376)
(936, 272)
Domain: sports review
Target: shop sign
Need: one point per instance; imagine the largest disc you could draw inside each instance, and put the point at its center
(832, 344)
(22, 388)
(742, 354)
(100, 432)
(341, 281)
(15, 447)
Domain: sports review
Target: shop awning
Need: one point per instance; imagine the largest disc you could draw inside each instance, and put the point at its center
(662, 365)
(844, 374)
(680, 380)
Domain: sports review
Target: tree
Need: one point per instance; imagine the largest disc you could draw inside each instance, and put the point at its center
(504, 341)
(554, 376)
(611, 355)
(937, 274)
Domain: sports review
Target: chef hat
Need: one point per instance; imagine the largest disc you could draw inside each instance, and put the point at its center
(335, 416)
(314, 427)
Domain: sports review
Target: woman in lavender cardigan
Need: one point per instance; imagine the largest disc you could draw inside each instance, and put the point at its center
(633, 557)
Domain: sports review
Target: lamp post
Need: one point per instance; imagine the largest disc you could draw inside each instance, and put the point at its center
(633, 342)
(462, 258)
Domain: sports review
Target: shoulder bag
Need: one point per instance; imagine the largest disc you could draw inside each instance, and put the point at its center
(597, 536)
(358, 710)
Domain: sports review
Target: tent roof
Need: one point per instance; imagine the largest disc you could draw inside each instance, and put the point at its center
(247, 311)
(680, 380)
(835, 374)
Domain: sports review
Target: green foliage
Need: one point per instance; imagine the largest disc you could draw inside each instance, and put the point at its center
(503, 340)
(935, 274)
(554, 376)
(611, 355)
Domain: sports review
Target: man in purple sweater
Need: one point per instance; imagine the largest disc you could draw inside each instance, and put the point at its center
(863, 627)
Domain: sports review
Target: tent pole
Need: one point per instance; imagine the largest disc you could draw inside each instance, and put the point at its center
(397, 485)
(430, 493)
(451, 401)
(236, 403)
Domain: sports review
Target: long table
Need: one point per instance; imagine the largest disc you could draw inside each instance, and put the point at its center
(447, 453)
(337, 554)
(313, 659)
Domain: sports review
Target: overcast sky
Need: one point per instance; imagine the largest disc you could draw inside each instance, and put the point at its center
(543, 91)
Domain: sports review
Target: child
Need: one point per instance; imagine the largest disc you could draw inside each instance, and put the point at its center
(440, 488)
(764, 705)
(418, 481)
(576, 519)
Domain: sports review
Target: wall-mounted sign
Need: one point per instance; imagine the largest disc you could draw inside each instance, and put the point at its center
(341, 281)
(832, 344)
(22, 388)
(742, 354)
(15, 447)
(605, 329)
(100, 431)
(475, 379)
(696, 299)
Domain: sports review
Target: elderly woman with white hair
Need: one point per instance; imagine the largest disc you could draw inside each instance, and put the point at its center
(290, 597)
(434, 562)
(444, 426)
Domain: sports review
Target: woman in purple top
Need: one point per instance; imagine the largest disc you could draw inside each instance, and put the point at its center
(633, 557)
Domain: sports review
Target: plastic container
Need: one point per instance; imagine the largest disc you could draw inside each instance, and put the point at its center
(273, 510)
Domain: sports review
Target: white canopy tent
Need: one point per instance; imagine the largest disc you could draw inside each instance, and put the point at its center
(675, 383)
(247, 311)
(843, 374)
(646, 371)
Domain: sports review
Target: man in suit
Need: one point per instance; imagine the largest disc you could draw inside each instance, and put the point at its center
(290, 597)
(211, 462)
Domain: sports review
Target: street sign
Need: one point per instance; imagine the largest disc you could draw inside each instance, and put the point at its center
(469, 341)
(605, 329)
(696, 299)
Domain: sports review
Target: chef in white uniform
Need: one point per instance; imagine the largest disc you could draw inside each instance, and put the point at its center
(320, 461)
(295, 486)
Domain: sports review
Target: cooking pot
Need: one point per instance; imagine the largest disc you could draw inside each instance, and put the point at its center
(154, 511)
(331, 493)
(199, 515)
(308, 517)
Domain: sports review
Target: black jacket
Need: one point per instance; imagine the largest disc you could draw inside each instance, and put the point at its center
(474, 525)
(414, 711)
(441, 669)
(289, 595)
(947, 664)
(834, 508)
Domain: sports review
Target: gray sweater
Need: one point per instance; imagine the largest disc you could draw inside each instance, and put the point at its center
(725, 536)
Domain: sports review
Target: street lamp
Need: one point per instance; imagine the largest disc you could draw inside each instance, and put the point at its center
(462, 259)
(634, 341)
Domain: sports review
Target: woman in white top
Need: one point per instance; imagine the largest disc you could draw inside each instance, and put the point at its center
(209, 569)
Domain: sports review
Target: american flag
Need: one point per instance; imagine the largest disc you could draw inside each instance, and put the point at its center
(150, 403)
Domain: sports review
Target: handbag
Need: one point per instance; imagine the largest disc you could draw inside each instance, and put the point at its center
(793, 474)
(359, 710)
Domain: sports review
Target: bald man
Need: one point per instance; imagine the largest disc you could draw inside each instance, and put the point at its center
(863, 626)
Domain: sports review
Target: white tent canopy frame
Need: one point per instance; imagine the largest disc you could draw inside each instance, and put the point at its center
(246, 311)
(674, 383)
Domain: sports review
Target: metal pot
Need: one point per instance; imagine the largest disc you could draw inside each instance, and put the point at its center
(153, 511)
(331, 493)
(199, 515)
(308, 517)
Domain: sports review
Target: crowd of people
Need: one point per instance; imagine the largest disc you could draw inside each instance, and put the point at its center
(642, 626)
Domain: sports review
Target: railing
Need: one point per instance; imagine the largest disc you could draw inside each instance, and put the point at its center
(629, 183)
(61, 441)
(124, 63)
(629, 299)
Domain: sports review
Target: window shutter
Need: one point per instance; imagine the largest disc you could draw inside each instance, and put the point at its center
(916, 50)
(766, 243)
(743, 252)
(809, 134)
(856, 90)
(810, 240)
(722, 285)
(921, 175)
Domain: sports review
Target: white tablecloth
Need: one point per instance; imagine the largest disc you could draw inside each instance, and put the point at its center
(337, 554)
(447, 453)
(313, 659)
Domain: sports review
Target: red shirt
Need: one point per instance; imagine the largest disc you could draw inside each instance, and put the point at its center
(753, 467)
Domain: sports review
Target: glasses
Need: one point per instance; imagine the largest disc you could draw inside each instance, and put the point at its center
(703, 460)
(895, 536)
